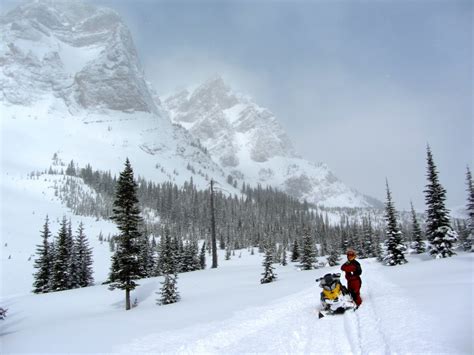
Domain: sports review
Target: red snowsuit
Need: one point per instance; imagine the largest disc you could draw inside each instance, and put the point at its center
(353, 271)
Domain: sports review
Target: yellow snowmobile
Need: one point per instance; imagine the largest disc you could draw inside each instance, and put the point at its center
(335, 298)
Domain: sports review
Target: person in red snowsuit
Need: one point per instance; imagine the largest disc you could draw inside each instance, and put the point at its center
(353, 271)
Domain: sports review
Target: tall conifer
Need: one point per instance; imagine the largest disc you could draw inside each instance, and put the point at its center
(394, 246)
(438, 230)
(62, 258)
(417, 236)
(43, 263)
(169, 290)
(126, 214)
(84, 258)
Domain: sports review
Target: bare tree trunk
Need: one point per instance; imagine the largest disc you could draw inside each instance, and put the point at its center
(127, 299)
(213, 229)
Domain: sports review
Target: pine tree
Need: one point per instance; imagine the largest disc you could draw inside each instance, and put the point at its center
(84, 258)
(438, 230)
(308, 254)
(61, 264)
(470, 210)
(145, 256)
(169, 290)
(126, 214)
(295, 254)
(43, 263)
(395, 248)
(334, 255)
(268, 274)
(418, 244)
(73, 268)
(368, 245)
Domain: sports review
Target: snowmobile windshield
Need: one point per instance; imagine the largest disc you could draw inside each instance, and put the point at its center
(330, 287)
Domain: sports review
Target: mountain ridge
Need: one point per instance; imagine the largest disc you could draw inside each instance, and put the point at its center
(250, 145)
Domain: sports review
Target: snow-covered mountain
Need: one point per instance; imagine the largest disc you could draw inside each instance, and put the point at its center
(251, 146)
(80, 53)
(71, 83)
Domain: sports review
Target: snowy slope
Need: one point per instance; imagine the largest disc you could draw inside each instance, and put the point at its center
(251, 146)
(227, 311)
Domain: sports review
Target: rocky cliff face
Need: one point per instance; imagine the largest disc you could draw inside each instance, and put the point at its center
(229, 124)
(80, 53)
(252, 147)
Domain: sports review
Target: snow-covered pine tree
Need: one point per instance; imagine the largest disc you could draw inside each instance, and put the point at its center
(60, 279)
(145, 256)
(378, 247)
(43, 263)
(178, 252)
(190, 257)
(438, 230)
(418, 245)
(394, 246)
(169, 290)
(334, 254)
(308, 254)
(368, 238)
(126, 214)
(470, 210)
(73, 261)
(84, 258)
(195, 258)
(295, 253)
(461, 227)
(268, 273)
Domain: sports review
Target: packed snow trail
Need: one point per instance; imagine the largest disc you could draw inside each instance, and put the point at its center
(384, 324)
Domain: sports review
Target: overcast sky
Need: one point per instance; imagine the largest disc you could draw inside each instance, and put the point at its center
(363, 86)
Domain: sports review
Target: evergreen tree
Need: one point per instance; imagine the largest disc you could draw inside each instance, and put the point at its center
(368, 245)
(295, 255)
(308, 254)
(145, 256)
(268, 274)
(73, 271)
(378, 247)
(334, 255)
(418, 244)
(467, 245)
(438, 230)
(169, 290)
(43, 263)
(84, 259)
(126, 214)
(394, 246)
(62, 257)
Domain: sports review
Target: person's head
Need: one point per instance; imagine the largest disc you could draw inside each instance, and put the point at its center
(351, 254)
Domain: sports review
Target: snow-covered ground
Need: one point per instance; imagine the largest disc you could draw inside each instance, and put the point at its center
(423, 307)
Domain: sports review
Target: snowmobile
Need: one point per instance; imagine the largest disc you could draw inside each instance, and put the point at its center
(335, 298)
